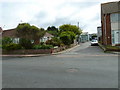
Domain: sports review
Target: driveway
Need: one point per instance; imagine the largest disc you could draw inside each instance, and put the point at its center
(83, 67)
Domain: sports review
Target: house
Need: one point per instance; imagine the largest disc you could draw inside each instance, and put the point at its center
(12, 34)
(110, 22)
(84, 37)
(1, 32)
(46, 37)
(99, 33)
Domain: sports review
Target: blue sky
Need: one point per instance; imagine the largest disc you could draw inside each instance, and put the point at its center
(44, 13)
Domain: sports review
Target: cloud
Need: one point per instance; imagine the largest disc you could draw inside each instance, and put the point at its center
(44, 13)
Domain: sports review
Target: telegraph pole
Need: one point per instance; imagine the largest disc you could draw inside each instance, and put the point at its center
(78, 24)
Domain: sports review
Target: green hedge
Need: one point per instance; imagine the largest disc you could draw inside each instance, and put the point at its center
(12, 46)
(42, 46)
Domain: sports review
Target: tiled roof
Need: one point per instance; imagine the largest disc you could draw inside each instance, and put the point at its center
(9, 33)
(0, 29)
(48, 35)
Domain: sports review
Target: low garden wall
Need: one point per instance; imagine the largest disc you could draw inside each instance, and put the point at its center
(30, 51)
(55, 50)
(37, 51)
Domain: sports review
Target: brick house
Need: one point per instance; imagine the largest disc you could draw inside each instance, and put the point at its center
(12, 34)
(1, 30)
(110, 22)
(1, 33)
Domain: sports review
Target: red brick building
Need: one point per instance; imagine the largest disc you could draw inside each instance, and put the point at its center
(110, 22)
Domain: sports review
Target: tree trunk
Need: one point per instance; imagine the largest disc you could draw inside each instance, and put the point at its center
(37, 41)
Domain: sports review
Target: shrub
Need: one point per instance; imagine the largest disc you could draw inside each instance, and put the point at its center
(67, 37)
(12, 46)
(54, 41)
(41, 43)
(6, 40)
(26, 43)
(42, 46)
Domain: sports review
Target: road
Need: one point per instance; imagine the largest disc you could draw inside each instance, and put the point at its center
(82, 67)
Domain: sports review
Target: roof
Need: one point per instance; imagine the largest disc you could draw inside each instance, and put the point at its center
(84, 33)
(1, 30)
(9, 33)
(110, 7)
(110, 2)
(48, 35)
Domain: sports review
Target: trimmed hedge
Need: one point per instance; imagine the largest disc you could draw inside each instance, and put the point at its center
(42, 46)
(12, 46)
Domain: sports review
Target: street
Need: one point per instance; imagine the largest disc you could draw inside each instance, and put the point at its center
(82, 67)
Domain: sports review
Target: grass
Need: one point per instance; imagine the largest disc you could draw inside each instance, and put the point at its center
(116, 48)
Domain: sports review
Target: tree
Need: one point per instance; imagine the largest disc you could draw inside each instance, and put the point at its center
(53, 30)
(26, 31)
(26, 43)
(23, 30)
(36, 34)
(67, 37)
(72, 28)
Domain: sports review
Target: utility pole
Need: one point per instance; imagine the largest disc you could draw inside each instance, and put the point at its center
(78, 24)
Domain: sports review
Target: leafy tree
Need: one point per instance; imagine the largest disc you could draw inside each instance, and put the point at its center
(53, 30)
(36, 34)
(23, 30)
(26, 43)
(67, 37)
(26, 31)
(72, 28)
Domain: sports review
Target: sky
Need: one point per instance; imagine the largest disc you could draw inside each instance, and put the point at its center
(44, 13)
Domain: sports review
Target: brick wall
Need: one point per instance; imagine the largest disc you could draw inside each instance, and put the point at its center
(30, 51)
(106, 29)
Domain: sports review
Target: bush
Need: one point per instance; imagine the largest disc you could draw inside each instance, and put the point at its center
(42, 46)
(6, 40)
(54, 41)
(12, 46)
(26, 43)
(67, 37)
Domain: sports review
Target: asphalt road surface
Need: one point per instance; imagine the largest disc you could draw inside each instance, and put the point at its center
(82, 67)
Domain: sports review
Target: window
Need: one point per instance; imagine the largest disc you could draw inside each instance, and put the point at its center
(115, 36)
(115, 17)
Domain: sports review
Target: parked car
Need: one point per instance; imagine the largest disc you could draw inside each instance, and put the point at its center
(94, 42)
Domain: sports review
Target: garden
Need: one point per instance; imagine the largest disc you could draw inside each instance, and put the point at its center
(29, 39)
